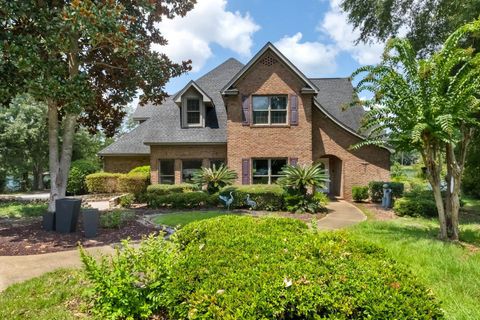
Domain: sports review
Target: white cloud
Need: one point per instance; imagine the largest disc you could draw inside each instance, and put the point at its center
(312, 58)
(209, 22)
(336, 26)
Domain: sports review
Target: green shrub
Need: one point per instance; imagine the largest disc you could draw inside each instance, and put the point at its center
(76, 177)
(359, 193)
(135, 183)
(102, 182)
(376, 190)
(416, 203)
(132, 284)
(299, 203)
(164, 189)
(126, 200)
(271, 268)
(142, 169)
(267, 197)
(116, 219)
(195, 199)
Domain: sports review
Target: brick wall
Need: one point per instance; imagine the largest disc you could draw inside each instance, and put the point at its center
(184, 152)
(123, 164)
(268, 142)
(357, 167)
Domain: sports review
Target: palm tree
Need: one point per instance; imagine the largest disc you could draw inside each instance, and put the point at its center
(214, 178)
(301, 178)
(429, 105)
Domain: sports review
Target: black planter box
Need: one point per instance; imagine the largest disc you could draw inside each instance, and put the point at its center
(48, 221)
(90, 219)
(66, 214)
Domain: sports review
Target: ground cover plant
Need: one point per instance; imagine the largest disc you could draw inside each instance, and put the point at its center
(270, 267)
(180, 219)
(115, 219)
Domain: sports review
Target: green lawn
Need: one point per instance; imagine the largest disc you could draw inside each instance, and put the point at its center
(452, 271)
(21, 210)
(52, 296)
(179, 219)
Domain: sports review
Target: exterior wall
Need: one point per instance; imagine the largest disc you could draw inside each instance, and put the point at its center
(281, 141)
(123, 164)
(183, 152)
(358, 167)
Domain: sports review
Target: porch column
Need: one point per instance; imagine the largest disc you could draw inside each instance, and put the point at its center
(178, 171)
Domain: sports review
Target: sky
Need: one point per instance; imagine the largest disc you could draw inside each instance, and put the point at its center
(314, 34)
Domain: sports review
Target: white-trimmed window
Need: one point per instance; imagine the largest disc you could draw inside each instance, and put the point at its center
(166, 170)
(189, 167)
(270, 110)
(267, 171)
(193, 112)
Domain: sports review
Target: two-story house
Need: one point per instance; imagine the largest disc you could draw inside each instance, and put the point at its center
(255, 118)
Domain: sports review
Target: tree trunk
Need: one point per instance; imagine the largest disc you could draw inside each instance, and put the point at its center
(37, 177)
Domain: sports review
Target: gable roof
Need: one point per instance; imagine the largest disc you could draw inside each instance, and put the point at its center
(189, 85)
(267, 47)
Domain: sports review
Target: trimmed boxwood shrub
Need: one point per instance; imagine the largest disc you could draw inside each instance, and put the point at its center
(194, 199)
(135, 183)
(376, 190)
(164, 189)
(359, 193)
(142, 169)
(102, 182)
(268, 197)
(79, 170)
(240, 267)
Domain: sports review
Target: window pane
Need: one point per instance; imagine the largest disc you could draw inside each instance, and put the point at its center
(217, 162)
(260, 167)
(260, 117)
(166, 168)
(193, 117)
(260, 180)
(193, 105)
(279, 117)
(277, 165)
(167, 180)
(260, 103)
(278, 103)
(188, 169)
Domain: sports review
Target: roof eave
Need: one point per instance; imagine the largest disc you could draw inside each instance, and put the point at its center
(154, 143)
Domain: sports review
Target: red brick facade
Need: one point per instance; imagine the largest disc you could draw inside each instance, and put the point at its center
(124, 164)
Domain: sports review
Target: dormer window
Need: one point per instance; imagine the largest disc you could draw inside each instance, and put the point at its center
(193, 112)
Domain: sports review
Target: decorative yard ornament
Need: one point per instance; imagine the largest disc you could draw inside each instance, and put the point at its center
(387, 196)
(228, 201)
(252, 204)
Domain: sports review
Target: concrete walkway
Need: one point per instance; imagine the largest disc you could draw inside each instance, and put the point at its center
(15, 269)
(341, 214)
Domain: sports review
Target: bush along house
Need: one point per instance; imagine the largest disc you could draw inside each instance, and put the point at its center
(255, 118)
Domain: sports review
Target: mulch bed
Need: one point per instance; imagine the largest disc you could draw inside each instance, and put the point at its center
(26, 236)
(380, 213)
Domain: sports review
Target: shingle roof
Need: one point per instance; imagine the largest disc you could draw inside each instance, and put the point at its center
(334, 94)
(163, 124)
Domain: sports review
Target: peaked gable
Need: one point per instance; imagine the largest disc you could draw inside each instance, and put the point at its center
(229, 88)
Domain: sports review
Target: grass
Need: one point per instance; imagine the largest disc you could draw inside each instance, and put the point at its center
(54, 295)
(450, 270)
(21, 210)
(179, 219)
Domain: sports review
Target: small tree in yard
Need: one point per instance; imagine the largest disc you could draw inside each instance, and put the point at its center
(301, 178)
(430, 105)
(214, 178)
(85, 60)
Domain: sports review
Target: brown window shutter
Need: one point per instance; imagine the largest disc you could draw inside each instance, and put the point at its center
(246, 101)
(245, 171)
(294, 110)
(293, 161)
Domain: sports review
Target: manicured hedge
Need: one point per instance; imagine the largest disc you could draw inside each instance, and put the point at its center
(135, 183)
(376, 190)
(103, 182)
(267, 197)
(142, 169)
(359, 193)
(164, 189)
(239, 267)
(194, 199)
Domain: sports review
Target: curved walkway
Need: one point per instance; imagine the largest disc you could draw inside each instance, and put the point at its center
(341, 214)
(15, 269)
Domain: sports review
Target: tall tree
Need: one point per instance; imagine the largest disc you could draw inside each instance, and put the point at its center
(86, 60)
(430, 105)
(428, 22)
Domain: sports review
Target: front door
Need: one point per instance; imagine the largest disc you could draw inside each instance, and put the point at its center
(325, 164)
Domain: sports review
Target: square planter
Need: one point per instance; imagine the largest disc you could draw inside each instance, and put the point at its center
(48, 221)
(90, 219)
(66, 214)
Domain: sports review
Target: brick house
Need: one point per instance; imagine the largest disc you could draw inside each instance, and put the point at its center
(255, 118)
